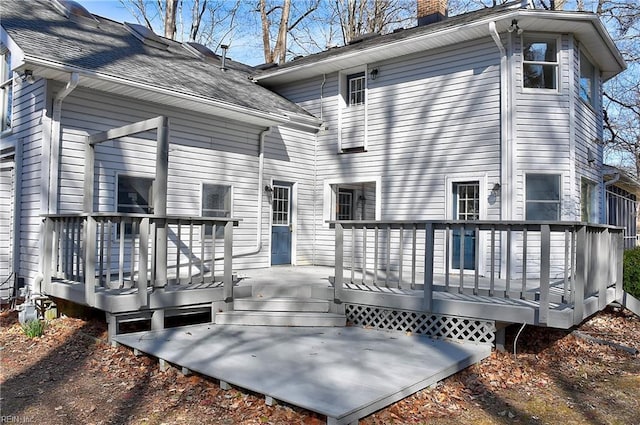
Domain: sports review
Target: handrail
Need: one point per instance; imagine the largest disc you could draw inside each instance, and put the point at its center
(548, 262)
(113, 250)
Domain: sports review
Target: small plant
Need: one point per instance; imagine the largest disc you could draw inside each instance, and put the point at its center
(632, 272)
(34, 328)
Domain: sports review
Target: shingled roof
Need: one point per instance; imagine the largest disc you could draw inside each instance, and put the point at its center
(110, 48)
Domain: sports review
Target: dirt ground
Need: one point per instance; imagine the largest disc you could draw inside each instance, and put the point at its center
(72, 376)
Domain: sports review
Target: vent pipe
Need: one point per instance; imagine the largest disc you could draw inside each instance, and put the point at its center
(224, 48)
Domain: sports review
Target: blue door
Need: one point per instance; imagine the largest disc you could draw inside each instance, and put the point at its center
(466, 206)
(281, 224)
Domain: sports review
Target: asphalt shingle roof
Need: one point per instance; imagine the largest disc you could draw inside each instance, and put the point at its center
(110, 48)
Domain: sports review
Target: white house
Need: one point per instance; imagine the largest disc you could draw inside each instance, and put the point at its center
(483, 127)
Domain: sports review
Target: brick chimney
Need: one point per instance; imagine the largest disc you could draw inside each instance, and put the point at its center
(431, 11)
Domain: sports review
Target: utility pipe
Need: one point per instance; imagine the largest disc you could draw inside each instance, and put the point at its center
(74, 78)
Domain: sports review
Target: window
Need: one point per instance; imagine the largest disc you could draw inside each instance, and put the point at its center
(543, 197)
(587, 80)
(589, 198)
(216, 202)
(345, 205)
(134, 197)
(540, 63)
(355, 89)
(6, 88)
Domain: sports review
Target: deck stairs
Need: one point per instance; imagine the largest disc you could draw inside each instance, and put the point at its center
(284, 305)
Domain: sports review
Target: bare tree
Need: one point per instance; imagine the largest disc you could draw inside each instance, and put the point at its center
(359, 17)
(281, 17)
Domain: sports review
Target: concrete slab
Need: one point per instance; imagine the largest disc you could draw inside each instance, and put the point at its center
(343, 373)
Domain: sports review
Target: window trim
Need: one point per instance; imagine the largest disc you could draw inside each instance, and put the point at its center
(536, 37)
(6, 101)
(559, 202)
(128, 231)
(219, 232)
(351, 193)
(329, 196)
(593, 204)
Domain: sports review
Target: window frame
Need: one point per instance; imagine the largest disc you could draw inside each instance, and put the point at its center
(128, 232)
(351, 193)
(229, 211)
(528, 201)
(361, 92)
(591, 100)
(541, 38)
(6, 87)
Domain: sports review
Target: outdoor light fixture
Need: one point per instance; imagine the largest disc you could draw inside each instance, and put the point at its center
(373, 73)
(495, 190)
(268, 189)
(28, 77)
(514, 27)
(591, 158)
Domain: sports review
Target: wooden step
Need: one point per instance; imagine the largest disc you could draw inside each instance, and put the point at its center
(281, 304)
(280, 318)
(291, 291)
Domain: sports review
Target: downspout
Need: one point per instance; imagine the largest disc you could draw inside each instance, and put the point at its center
(505, 142)
(258, 247)
(55, 141)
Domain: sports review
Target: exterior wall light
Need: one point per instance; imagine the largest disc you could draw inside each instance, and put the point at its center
(373, 74)
(514, 27)
(495, 190)
(28, 77)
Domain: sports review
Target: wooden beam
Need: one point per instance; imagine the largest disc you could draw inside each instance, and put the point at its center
(545, 268)
(581, 274)
(339, 252)
(126, 130)
(90, 230)
(228, 265)
(89, 172)
(160, 201)
(428, 267)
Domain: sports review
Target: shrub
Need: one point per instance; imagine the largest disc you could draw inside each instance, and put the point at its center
(632, 272)
(33, 328)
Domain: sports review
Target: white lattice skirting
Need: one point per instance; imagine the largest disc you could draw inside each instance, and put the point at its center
(433, 325)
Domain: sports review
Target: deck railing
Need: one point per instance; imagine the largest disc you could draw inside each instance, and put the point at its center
(546, 262)
(116, 250)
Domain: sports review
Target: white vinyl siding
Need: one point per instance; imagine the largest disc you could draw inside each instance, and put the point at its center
(428, 115)
(202, 149)
(6, 226)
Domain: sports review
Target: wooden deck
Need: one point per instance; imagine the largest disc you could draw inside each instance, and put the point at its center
(342, 373)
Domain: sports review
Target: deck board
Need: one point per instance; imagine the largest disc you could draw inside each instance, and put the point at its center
(343, 373)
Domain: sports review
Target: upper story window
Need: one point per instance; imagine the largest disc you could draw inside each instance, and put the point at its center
(216, 202)
(540, 62)
(543, 197)
(355, 89)
(587, 80)
(6, 89)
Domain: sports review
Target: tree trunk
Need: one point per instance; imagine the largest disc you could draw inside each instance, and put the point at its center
(171, 8)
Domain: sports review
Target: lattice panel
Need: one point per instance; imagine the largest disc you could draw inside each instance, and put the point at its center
(433, 325)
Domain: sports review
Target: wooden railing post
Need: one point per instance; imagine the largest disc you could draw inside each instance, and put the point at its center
(228, 266)
(339, 266)
(143, 261)
(618, 247)
(47, 256)
(429, 252)
(545, 268)
(90, 229)
(602, 254)
(160, 201)
(581, 274)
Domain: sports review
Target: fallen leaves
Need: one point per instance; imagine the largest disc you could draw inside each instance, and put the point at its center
(71, 375)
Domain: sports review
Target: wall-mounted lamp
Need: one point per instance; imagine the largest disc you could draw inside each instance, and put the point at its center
(373, 74)
(268, 189)
(495, 190)
(591, 158)
(27, 76)
(514, 27)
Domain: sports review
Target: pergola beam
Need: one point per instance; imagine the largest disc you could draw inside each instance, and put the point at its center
(127, 130)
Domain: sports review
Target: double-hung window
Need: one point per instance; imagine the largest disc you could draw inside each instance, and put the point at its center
(587, 80)
(543, 193)
(540, 63)
(6, 89)
(216, 202)
(356, 89)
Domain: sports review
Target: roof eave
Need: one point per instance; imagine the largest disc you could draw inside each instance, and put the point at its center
(399, 48)
(141, 90)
